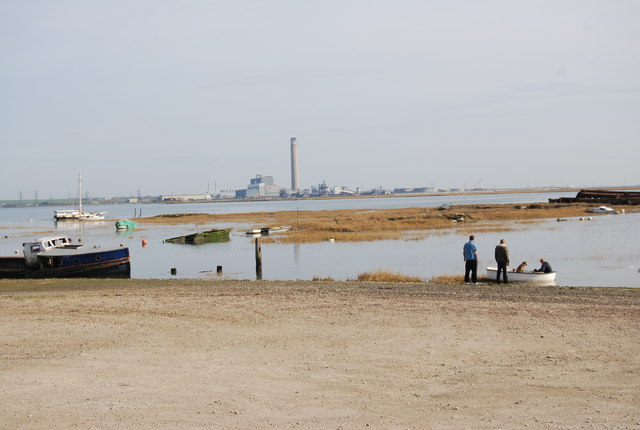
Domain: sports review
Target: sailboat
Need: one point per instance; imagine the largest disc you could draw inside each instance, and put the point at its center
(78, 214)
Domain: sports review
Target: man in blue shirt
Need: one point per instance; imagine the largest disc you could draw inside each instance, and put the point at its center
(470, 254)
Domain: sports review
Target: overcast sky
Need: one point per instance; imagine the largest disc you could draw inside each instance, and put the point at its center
(178, 96)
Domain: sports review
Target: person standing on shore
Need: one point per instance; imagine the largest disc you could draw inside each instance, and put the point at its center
(470, 254)
(502, 258)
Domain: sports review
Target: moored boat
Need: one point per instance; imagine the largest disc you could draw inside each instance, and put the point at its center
(209, 236)
(278, 229)
(525, 277)
(125, 224)
(57, 257)
(264, 231)
(78, 214)
(602, 210)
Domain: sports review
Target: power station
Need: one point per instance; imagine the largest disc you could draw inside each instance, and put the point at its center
(295, 179)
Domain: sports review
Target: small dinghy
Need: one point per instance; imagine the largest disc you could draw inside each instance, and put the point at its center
(525, 277)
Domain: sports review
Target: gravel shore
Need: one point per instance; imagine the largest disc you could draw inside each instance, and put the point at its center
(316, 355)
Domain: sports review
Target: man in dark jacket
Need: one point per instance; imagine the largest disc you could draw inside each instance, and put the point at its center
(502, 258)
(545, 267)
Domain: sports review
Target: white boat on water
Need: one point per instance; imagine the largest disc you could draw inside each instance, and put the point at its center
(266, 230)
(602, 210)
(525, 277)
(77, 214)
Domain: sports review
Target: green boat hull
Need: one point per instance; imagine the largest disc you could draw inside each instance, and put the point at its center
(210, 236)
(125, 224)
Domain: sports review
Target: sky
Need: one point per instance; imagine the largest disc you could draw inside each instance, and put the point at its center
(165, 97)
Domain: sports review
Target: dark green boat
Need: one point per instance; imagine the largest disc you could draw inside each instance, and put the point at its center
(209, 236)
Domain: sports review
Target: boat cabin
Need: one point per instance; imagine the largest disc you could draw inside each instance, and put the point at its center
(32, 249)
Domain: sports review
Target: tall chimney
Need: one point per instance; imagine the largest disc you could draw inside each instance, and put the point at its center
(295, 180)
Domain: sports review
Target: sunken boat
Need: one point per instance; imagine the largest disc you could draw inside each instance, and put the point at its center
(209, 236)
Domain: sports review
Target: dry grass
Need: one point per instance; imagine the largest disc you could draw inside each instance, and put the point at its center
(324, 279)
(455, 279)
(356, 225)
(386, 276)
(448, 279)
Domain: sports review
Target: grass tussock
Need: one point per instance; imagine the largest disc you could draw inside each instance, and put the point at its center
(386, 276)
(323, 279)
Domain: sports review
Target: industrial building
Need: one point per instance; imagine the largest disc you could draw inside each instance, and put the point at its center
(260, 186)
(184, 197)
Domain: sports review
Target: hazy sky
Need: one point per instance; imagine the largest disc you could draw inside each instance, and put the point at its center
(170, 96)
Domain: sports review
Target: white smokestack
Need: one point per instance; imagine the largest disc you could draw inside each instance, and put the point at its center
(295, 180)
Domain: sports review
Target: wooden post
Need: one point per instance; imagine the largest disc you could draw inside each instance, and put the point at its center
(258, 260)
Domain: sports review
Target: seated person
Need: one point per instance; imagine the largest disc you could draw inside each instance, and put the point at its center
(545, 268)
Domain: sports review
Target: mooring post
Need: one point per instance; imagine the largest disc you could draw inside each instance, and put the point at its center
(258, 260)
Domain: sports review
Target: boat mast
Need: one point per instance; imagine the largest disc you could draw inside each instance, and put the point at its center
(80, 192)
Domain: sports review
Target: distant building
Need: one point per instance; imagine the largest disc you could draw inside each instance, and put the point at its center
(424, 190)
(324, 190)
(184, 197)
(226, 194)
(262, 186)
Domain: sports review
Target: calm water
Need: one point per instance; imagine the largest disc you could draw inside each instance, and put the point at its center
(602, 252)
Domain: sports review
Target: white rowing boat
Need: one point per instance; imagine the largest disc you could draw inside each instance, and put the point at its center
(527, 277)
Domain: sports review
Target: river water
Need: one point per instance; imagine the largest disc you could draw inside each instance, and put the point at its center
(603, 251)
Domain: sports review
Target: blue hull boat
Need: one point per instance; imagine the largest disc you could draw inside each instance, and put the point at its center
(58, 258)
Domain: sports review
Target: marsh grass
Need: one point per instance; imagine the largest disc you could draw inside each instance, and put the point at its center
(322, 279)
(386, 276)
(357, 225)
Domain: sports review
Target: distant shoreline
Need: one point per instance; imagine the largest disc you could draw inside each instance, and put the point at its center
(124, 200)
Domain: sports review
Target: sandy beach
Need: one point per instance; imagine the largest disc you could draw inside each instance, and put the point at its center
(316, 355)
